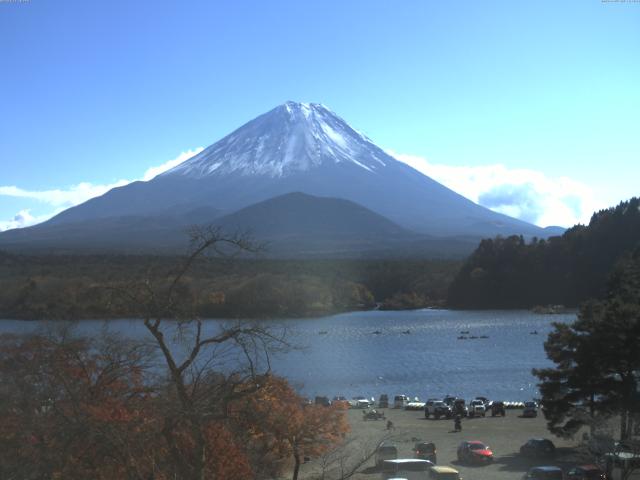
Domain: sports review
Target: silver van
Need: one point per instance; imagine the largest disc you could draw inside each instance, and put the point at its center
(408, 468)
(400, 401)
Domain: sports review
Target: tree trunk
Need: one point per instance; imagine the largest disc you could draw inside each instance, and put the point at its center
(623, 426)
(296, 467)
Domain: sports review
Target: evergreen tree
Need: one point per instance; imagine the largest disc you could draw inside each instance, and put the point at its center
(597, 372)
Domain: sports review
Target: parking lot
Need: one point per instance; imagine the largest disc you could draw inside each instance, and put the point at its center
(504, 435)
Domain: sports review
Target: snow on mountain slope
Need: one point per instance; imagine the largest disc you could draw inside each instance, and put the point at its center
(290, 138)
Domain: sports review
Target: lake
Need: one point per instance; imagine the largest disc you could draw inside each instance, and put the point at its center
(415, 352)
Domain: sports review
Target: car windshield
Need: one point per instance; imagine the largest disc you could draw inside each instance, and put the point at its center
(552, 475)
(388, 450)
(425, 448)
(529, 404)
(477, 446)
(413, 467)
(594, 474)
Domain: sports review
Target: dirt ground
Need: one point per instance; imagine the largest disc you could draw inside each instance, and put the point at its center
(503, 435)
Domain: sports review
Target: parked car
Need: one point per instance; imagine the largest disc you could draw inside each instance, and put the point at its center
(443, 473)
(586, 472)
(385, 452)
(474, 452)
(477, 408)
(436, 409)
(324, 401)
(497, 408)
(530, 410)
(415, 404)
(400, 401)
(544, 473)
(425, 451)
(538, 447)
(340, 399)
(383, 402)
(459, 407)
(449, 399)
(406, 468)
(360, 402)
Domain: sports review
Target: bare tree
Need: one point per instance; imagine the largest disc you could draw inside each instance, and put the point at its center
(344, 461)
(208, 366)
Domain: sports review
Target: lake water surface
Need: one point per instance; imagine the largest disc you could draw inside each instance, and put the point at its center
(416, 352)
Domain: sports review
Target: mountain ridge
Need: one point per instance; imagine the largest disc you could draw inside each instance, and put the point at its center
(295, 147)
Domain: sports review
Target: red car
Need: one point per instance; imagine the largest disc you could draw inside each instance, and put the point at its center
(474, 452)
(586, 472)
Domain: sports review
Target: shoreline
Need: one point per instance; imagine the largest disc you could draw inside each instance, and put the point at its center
(305, 316)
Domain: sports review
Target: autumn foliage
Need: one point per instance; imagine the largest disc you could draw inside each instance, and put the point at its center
(76, 409)
(284, 426)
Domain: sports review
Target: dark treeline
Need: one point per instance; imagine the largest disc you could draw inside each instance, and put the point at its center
(511, 273)
(80, 286)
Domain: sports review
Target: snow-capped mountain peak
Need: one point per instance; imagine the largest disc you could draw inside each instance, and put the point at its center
(292, 137)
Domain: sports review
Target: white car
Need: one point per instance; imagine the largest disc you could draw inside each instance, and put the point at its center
(477, 408)
(408, 468)
(359, 402)
(400, 401)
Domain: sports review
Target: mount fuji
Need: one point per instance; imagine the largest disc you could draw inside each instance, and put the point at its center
(296, 147)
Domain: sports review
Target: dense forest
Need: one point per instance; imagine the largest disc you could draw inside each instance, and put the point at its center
(81, 286)
(566, 270)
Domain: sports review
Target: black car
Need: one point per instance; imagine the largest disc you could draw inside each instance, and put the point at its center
(544, 473)
(425, 451)
(538, 447)
(436, 409)
(459, 407)
(497, 408)
(383, 402)
(449, 399)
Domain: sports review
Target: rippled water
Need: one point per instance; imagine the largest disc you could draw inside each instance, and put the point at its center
(426, 361)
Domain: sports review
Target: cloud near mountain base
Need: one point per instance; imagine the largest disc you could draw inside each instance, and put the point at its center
(61, 199)
(520, 193)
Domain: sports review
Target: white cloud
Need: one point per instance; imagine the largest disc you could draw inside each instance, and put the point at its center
(62, 199)
(155, 171)
(23, 219)
(522, 193)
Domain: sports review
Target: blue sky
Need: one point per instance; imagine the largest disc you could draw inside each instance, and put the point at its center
(531, 108)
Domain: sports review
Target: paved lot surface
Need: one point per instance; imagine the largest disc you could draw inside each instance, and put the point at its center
(503, 435)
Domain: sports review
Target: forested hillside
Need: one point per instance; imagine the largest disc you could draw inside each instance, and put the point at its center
(81, 286)
(511, 273)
